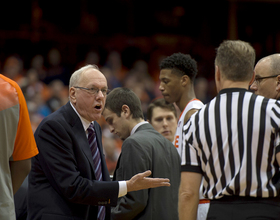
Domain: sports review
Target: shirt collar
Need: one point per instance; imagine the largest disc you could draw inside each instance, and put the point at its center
(137, 126)
(230, 90)
(85, 122)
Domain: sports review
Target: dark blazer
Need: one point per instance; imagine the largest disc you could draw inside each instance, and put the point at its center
(62, 182)
(145, 150)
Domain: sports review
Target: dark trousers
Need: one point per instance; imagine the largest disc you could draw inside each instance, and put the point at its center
(243, 208)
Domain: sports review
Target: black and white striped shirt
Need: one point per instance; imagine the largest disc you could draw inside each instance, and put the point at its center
(232, 141)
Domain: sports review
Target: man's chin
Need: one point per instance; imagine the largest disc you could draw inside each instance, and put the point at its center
(96, 117)
(168, 137)
(165, 135)
(167, 101)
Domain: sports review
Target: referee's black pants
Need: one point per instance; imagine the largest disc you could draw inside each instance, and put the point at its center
(241, 208)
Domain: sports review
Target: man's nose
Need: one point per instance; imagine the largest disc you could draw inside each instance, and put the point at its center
(100, 93)
(254, 86)
(111, 128)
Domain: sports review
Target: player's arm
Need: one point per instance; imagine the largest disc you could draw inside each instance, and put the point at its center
(189, 114)
(19, 170)
(189, 195)
(278, 158)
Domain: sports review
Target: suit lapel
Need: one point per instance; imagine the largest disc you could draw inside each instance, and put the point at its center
(117, 166)
(83, 142)
(79, 132)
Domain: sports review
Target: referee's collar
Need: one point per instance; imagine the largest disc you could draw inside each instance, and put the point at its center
(230, 90)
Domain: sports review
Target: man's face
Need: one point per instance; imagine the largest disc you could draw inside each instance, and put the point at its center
(266, 87)
(170, 86)
(117, 125)
(89, 105)
(164, 121)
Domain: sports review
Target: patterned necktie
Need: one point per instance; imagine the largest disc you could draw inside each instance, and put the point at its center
(97, 163)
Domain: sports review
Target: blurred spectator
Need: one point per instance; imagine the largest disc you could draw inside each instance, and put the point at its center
(112, 148)
(92, 57)
(112, 80)
(33, 85)
(56, 70)
(201, 89)
(13, 68)
(58, 95)
(139, 80)
(37, 63)
(114, 62)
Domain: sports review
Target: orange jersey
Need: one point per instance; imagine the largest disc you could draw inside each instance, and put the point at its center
(178, 140)
(11, 96)
(16, 140)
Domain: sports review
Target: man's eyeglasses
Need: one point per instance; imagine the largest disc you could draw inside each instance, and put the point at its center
(259, 79)
(93, 90)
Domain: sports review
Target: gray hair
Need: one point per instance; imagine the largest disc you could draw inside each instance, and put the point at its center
(275, 64)
(75, 77)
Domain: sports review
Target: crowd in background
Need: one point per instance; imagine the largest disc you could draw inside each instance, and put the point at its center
(44, 83)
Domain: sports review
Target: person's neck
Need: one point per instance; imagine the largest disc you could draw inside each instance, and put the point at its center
(185, 99)
(135, 122)
(233, 84)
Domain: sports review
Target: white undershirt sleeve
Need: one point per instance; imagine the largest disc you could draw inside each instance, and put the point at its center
(122, 188)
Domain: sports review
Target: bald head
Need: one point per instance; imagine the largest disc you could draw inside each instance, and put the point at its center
(272, 63)
(267, 77)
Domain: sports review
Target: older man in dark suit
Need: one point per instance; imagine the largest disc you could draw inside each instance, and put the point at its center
(143, 148)
(69, 178)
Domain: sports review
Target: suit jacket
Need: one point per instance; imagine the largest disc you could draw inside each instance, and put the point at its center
(145, 150)
(62, 182)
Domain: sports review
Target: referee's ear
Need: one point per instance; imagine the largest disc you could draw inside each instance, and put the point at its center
(253, 78)
(217, 73)
(278, 83)
(217, 78)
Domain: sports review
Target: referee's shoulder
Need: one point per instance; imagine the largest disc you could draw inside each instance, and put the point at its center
(274, 105)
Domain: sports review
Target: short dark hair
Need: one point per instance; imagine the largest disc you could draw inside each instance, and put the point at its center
(162, 104)
(181, 64)
(123, 96)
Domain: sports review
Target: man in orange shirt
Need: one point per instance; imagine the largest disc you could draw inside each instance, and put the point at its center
(17, 144)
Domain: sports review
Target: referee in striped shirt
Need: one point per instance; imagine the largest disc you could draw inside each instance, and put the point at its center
(233, 142)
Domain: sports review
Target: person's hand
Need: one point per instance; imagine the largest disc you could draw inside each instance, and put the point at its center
(142, 181)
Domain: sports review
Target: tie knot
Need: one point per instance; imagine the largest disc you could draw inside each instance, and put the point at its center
(90, 125)
(91, 128)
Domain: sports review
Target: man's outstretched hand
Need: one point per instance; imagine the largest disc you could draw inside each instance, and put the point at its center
(142, 181)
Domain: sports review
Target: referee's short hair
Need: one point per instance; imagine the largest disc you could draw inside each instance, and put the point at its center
(236, 60)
